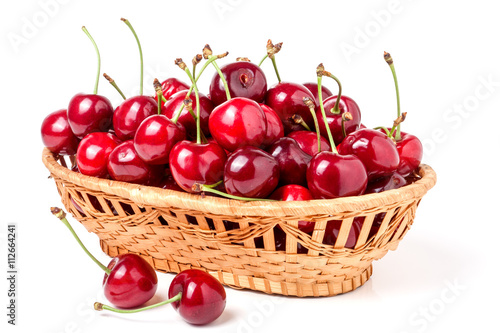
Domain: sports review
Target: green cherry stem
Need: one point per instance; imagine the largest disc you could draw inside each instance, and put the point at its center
(197, 187)
(99, 306)
(207, 54)
(310, 104)
(335, 109)
(98, 59)
(140, 53)
(183, 66)
(61, 215)
(319, 72)
(159, 93)
(113, 83)
(390, 62)
(272, 49)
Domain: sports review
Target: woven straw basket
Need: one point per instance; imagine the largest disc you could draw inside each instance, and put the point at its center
(176, 231)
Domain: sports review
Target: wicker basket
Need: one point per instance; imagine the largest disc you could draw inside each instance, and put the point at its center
(234, 240)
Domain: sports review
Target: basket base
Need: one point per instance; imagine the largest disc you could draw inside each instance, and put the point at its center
(330, 287)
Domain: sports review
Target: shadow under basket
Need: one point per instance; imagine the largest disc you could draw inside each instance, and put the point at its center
(252, 245)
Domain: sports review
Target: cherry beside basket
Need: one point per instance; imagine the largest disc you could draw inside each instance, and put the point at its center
(234, 240)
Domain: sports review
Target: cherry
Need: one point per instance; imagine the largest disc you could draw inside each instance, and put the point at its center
(274, 126)
(125, 165)
(388, 183)
(295, 193)
(57, 135)
(244, 79)
(192, 163)
(168, 181)
(173, 105)
(129, 280)
(313, 88)
(292, 161)
(333, 228)
(93, 153)
(89, 113)
(171, 86)
(286, 99)
(280, 241)
(251, 172)
(238, 122)
(196, 295)
(155, 137)
(334, 120)
(375, 149)
(308, 142)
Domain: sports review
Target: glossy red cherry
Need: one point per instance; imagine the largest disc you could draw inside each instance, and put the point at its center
(251, 172)
(93, 153)
(274, 126)
(313, 88)
(171, 86)
(375, 149)
(203, 298)
(330, 175)
(176, 101)
(410, 151)
(333, 228)
(168, 182)
(346, 104)
(238, 122)
(88, 113)
(292, 161)
(130, 114)
(287, 99)
(244, 79)
(392, 182)
(125, 165)
(131, 281)
(308, 141)
(295, 193)
(192, 163)
(57, 135)
(155, 137)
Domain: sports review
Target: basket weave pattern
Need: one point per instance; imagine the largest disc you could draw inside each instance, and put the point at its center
(176, 231)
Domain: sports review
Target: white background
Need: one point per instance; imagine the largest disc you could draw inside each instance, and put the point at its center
(444, 274)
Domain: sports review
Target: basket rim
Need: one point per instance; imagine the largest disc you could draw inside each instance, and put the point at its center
(158, 197)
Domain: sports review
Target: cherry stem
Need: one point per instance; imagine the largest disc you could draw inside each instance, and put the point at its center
(61, 215)
(346, 116)
(210, 188)
(386, 130)
(319, 72)
(98, 59)
(140, 53)
(296, 118)
(113, 83)
(335, 109)
(390, 62)
(222, 78)
(272, 49)
(309, 103)
(159, 93)
(183, 66)
(99, 306)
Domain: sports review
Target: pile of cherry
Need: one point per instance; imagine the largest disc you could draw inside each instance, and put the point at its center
(242, 140)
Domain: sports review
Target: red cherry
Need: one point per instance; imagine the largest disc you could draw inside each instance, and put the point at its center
(388, 183)
(251, 172)
(131, 281)
(346, 104)
(244, 79)
(308, 141)
(292, 161)
(203, 298)
(410, 153)
(274, 126)
(295, 193)
(88, 113)
(172, 106)
(375, 149)
(171, 86)
(93, 153)
(125, 165)
(330, 175)
(333, 228)
(238, 122)
(130, 114)
(57, 135)
(313, 88)
(155, 137)
(287, 99)
(168, 181)
(192, 163)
